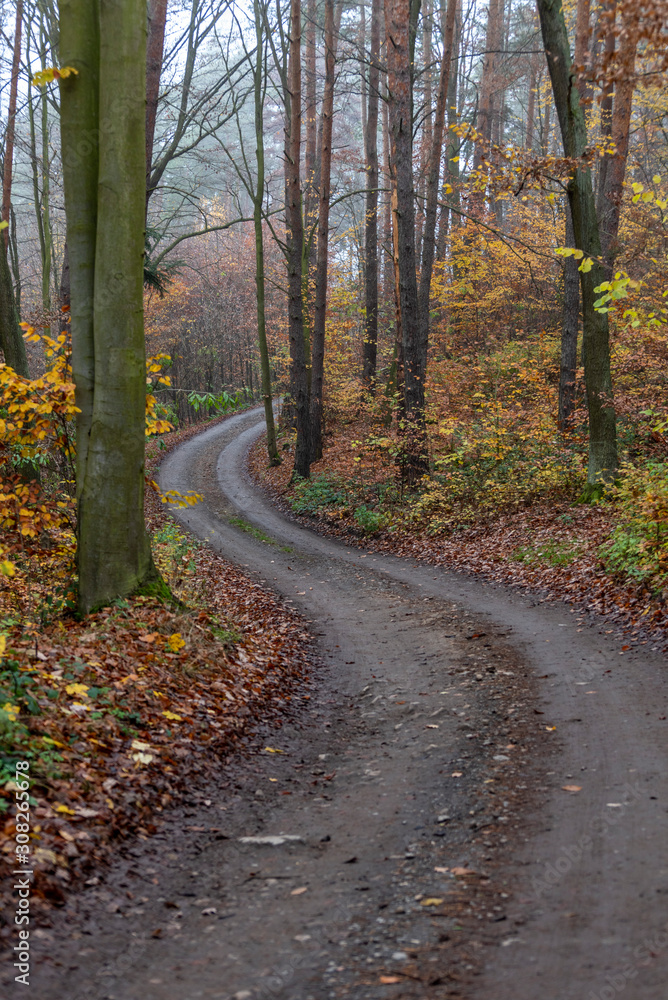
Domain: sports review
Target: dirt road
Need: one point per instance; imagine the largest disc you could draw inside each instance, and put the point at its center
(474, 804)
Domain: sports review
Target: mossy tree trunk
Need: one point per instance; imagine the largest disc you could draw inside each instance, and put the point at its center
(103, 114)
(603, 459)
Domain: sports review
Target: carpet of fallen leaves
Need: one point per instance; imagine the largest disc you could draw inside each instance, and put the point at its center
(121, 712)
(550, 548)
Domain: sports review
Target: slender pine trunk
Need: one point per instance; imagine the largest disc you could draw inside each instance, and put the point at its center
(318, 343)
(259, 85)
(371, 219)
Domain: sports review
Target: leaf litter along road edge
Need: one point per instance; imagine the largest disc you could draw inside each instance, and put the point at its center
(113, 705)
(505, 549)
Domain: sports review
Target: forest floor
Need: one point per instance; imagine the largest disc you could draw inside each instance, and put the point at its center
(471, 803)
(123, 714)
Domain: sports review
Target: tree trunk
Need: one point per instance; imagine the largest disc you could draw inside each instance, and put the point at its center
(64, 292)
(603, 460)
(11, 123)
(569, 330)
(258, 82)
(363, 70)
(157, 17)
(79, 47)
(11, 338)
(318, 344)
(426, 140)
(371, 217)
(299, 374)
(612, 176)
(105, 206)
(434, 167)
(311, 166)
(451, 169)
(399, 27)
(485, 115)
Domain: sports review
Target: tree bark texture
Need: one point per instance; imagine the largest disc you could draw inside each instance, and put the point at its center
(399, 79)
(11, 338)
(157, 17)
(259, 91)
(8, 158)
(602, 423)
(611, 184)
(320, 314)
(105, 208)
(433, 173)
(299, 373)
(569, 330)
(371, 217)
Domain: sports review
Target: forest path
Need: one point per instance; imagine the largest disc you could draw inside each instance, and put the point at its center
(436, 697)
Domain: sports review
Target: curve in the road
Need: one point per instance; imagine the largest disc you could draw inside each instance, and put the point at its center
(592, 895)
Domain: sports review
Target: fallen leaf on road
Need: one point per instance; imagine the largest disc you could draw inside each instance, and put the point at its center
(390, 979)
(273, 750)
(463, 871)
(431, 901)
(572, 788)
(298, 892)
(456, 774)
(443, 870)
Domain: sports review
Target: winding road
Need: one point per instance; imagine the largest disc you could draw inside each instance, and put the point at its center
(474, 804)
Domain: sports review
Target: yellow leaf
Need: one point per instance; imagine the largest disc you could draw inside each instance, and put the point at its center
(11, 710)
(142, 758)
(63, 809)
(3, 643)
(176, 642)
(53, 73)
(173, 715)
(431, 901)
(80, 690)
(140, 745)
(273, 750)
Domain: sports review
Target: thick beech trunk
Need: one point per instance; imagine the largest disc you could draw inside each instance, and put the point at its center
(105, 208)
(602, 424)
